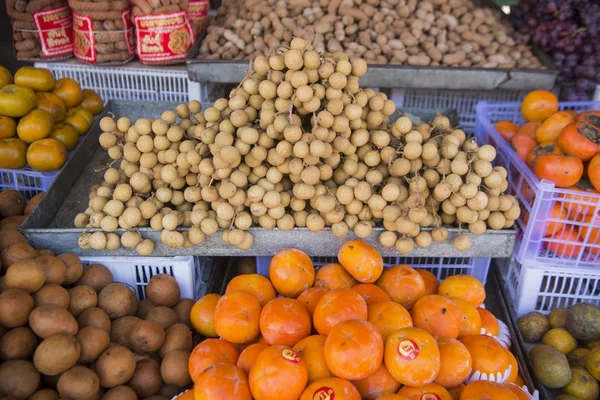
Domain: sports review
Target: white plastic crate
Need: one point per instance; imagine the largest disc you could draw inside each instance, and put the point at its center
(535, 287)
(134, 81)
(441, 267)
(192, 273)
(463, 101)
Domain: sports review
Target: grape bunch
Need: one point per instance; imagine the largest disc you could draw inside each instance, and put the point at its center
(569, 31)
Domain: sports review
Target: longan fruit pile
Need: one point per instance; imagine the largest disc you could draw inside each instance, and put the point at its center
(297, 144)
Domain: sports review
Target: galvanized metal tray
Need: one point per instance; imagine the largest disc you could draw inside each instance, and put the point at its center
(51, 225)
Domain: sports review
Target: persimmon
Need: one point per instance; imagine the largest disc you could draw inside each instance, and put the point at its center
(377, 385)
(393, 397)
(80, 119)
(46, 155)
(489, 358)
(311, 349)
(506, 129)
(209, 352)
(65, 134)
(543, 148)
(202, 315)
(187, 395)
(486, 390)
(514, 372)
(437, 315)
(36, 125)
(528, 129)
(279, 373)
(38, 79)
(52, 104)
(581, 140)
(554, 222)
(334, 276)
(371, 293)
(291, 272)
(431, 281)
(566, 243)
(13, 153)
(284, 321)
(574, 204)
(8, 127)
(550, 128)
(353, 350)
(489, 323)
(329, 389)
(593, 171)
(464, 287)
(69, 91)
(470, 322)
(222, 381)
(361, 260)
(255, 284)
(337, 306)
(412, 356)
(237, 316)
(388, 317)
(590, 116)
(523, 145)
(456, 391)
(249, 355)
(521, 394)
(539, 105)
(455, 362)
(310, 298)
(403, 284)
(429, 391)
(590, 232)
(562, 170)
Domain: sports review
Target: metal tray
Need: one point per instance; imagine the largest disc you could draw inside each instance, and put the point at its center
(51, 225)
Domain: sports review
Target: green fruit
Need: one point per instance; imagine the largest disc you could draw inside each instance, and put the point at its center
(551, 368)
(577, 357)
(582, 385)
(533, 326)
(592, 363)
(583, 321)
(566, 397)
(558, 318)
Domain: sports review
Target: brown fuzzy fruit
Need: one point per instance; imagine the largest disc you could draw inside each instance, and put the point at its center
(146, 337)
(120, 393)
(52, 294)
(97, 276)
(15, 307)
(82, 298)
(94, 317)
(174, 368)
(17, 252)
(45, 394)
(10, 237)
(93, 342)
(177, 337)
(163, 315)
(121, 328)
(18, 344)
(79, 383)
(57, 354)
(74, 267)
(116, 300)
(18, 379)
(56, 270)
(146, 379)
(163, 290)
(49, 320)
(115, 366)
(12, 203)
(144, 307)
(28, 275)
(33, 203)
(182, 309)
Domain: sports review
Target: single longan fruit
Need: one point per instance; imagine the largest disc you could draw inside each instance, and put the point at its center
(463, 242)
(387, 239)
(363, 229)
(405, 245)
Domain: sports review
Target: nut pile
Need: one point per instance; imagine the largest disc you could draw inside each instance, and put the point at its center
(431, 32)
(296, 144)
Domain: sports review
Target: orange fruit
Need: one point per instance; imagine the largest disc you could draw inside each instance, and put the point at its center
(310, 297)
(550, 129)
(486, 390)
(362, 260)
(371, 293)
(431, 281)
(470, 322)
(488, 358)
(412, 356)
(337, 306)
(514, 372)
(353, 350)
(330, 389)
(528, 129)
(187, 395)
(403, 284)
(489, 323)
(237, 317)
(437, 315)
(464, 287)
(291, 272)
(334, 276)
(311, 349)
(210, 352)
(222, 381)
(254, 284)
(455, 362)
(393, 397)
(521, 394)
(249, 355)
(456, 391)
(202, 315)
(539, 105)
(278, 374)
(506, 129)
(377, 385)
(388, 317)
(284, 321)
(431, 391)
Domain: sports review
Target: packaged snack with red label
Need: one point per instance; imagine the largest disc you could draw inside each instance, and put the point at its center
(198, 15)
(41, 29)
(163, 38)
(103, 35)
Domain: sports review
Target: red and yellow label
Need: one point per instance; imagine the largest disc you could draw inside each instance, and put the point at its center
(198, 9)
(408, 349)
(55, 30)
(83, 36)
(324, 393)
(129, 30)
(163, 38)
(430, 396)
(290, 355)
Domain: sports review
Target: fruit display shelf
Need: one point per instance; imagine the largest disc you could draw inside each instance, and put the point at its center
(51, 226)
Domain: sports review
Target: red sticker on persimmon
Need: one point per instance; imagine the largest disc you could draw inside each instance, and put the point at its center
(430, 396)
(324, 393)
(84, 46)
(408, 349)
(290, 355)
(163, 38)
(55, 30)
